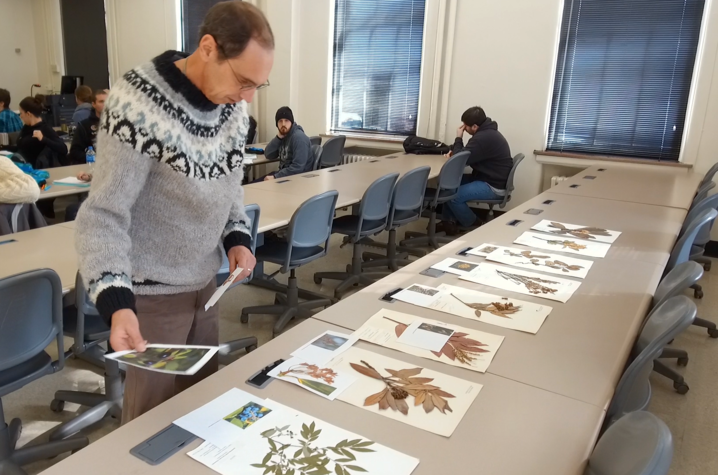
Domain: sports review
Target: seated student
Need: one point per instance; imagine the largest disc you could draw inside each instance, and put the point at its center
(38, 143)
(86, 132)
(291, 145)
(83, 97)
(491, 162)
(15, 185)
(9, 121)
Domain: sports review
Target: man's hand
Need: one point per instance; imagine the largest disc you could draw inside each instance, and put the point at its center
(84, 176)
(38, 135)
(125, 332)
(240, 256)
(450, 154)
(460, 131)
(269, 177)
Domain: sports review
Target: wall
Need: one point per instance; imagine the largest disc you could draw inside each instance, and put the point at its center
(48, 41)
(18, 71)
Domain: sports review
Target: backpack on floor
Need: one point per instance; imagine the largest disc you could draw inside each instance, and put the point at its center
(424, 146)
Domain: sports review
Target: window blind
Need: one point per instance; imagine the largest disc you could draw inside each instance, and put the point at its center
(193, 13)
(623, 77)
(377, 66)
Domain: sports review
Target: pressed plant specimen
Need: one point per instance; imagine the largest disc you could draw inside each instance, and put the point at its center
(400, 385)
(586, 232)
(566, 244)
(536, 260)
(500, 309)
(305, 369)
(292, 453)
(533, 284)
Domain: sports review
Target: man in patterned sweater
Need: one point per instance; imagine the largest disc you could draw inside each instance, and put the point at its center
(167, 196)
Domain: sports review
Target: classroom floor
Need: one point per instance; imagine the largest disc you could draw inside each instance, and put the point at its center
(692, 418)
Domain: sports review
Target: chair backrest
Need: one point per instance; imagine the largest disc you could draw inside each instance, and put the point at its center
(30, 316)
(702, 193)
(253, 213)
(677, 281)
(682, 250)
(316, 156)
(639, 443)
(450, 177)
(311, 224)
(510, 181)
(375, 205)
(315, 140)
(666, 322)
(704, 232)
(409, 194)
(709, 175)
(333, 152)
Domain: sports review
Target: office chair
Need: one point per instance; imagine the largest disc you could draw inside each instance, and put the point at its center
(708, 177)
(333, 152)
(702, 193)
(638, 443)
(317, 156)
(315, 140)
(307, 240)
(371, 219)
(704, 233)
(31, 318)
(406, 206)
(448, 186)
(509, 189)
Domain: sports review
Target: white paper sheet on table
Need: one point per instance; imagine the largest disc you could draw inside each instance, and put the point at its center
(417, 294)
(71, 181)
(252, 455)
(563, 244)
(541, 261)
(468, 348)
(589, 233)
(322, 349)
(232, 416)
(172, 359)
(483, 250)
(521, 281)
(425, 335)
(455, 266)
(315, 378)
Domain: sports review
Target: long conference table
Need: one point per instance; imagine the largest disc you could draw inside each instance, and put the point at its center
(544, 396)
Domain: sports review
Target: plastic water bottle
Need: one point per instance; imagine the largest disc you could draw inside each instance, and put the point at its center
(90, 159)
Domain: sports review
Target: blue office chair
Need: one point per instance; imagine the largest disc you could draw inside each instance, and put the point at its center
(407, 203)
(31, 318)
(316, 156)
(639, 443)
(704, 233)
(371, 219)
(333, 152)
(448, 186)
(667, 321)
(315, 140)
(708, 177)
(702, 193)
(501, 203)
(307, 240)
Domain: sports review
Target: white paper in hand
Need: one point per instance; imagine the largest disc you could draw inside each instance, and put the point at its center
(222, 288)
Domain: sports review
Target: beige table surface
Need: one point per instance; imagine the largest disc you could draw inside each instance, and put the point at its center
(51, 247)
(634, 185)
(510, 429)
(58, 173)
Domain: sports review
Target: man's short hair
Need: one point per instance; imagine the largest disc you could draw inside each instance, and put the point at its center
(5, 97)
(473, 116)
(83, 94)
(98, 92)
(232, 24)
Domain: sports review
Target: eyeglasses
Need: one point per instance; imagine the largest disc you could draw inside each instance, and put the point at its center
(242, 87)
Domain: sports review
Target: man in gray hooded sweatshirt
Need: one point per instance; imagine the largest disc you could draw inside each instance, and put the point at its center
(291, 146)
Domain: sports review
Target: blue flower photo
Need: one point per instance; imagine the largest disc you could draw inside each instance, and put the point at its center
(247, 415)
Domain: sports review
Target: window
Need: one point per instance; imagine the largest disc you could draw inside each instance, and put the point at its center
(623, 77)
(193, 13)
(377, 66)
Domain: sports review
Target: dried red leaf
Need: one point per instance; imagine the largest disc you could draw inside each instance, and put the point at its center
(399, 329)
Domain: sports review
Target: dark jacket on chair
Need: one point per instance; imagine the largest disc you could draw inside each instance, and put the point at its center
(48, 153)
(85, 136)
(490, 155)
(20, 217)
(294, 152)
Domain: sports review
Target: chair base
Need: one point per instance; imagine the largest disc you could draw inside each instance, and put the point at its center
(226, 350)
(392, 260)
(12, 459)
(706, 262)
(101, 405)
(431, 238)
(353, 277)
(289, 305)
(707, 324)
(679, 384)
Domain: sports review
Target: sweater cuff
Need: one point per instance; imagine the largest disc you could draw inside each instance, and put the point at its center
(237, 238)
(113, 299)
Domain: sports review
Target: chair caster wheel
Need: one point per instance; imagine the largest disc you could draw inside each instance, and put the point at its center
(707, 267)
(317, 280)
(251, 348)
(57, 405)
(682, 361)
(244, 318)
(713, 332)
(698, 294)
(681, 388)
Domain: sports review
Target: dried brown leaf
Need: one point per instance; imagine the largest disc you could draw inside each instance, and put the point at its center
(366, 371)
(448, 350)
(420, 380)
(419, 387)
(375, 398)
(428, 404)
(419, 398)
(402, 406)
(438, 401)
(383, 403)
(390, 399)
(442, 393)
(399, 329)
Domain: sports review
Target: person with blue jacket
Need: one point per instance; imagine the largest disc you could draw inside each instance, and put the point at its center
(291, 146)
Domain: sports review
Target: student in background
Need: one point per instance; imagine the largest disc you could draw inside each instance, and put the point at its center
(38, 143)
(9, 121)
(291, 146)
(86, 131)
(491, 162)
(83, 97)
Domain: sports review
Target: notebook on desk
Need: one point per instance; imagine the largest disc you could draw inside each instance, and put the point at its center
(71, 181)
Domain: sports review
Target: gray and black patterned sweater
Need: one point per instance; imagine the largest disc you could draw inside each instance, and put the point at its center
(166, 193)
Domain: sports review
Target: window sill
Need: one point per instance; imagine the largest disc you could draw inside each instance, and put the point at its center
(394, 139)
(580, 160)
